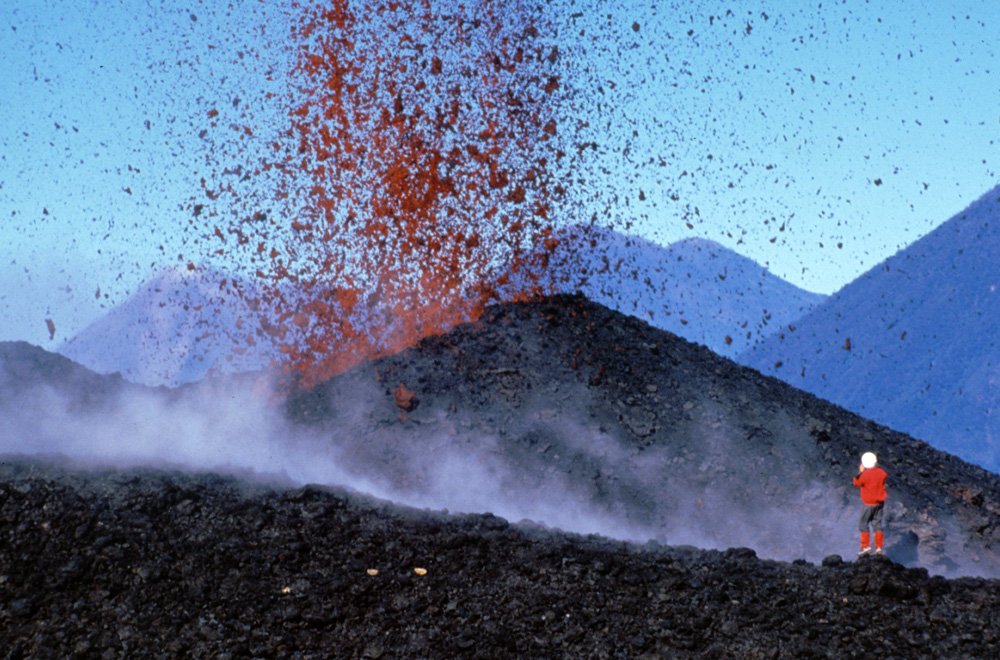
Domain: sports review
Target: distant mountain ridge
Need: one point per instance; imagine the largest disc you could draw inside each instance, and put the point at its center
(24, 366)
(185, 324)
(695, 288)
(914, 343)
(179, 327)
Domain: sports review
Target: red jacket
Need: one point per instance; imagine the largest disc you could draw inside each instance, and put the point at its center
(872, 485)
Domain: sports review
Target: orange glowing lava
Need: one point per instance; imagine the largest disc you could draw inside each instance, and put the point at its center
(416, 176)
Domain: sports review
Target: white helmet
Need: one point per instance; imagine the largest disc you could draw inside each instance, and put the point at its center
(869, 460)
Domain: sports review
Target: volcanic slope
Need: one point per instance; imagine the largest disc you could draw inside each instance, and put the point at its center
(25, 368)
(146, 564)
(565, 412)
(912, 343)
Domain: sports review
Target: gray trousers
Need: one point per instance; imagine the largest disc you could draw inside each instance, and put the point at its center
(871, 515)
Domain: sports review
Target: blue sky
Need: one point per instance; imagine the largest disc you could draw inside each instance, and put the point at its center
(817, 140)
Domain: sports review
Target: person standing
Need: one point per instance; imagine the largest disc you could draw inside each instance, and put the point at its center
(871, 481)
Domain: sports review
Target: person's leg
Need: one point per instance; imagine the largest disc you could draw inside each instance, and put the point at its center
(877, 526)
(866, 543)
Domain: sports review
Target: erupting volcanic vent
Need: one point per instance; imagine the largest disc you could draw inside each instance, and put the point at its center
(418, 173)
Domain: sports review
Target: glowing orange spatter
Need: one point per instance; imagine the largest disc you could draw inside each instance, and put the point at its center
(416, 177)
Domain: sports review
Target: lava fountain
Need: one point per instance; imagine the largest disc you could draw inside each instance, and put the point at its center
(417, 176)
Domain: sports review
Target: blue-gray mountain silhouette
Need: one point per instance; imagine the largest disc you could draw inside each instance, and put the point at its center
(177, 328)
(695, 288)
(914, 343)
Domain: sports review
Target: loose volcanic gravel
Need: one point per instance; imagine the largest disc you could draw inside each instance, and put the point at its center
(145, 564)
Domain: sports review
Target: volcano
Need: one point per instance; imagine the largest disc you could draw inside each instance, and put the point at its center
(598, 422)
(568, 480)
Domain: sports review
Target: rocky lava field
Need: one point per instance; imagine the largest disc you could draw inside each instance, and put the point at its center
(146, 564)
(647, 499)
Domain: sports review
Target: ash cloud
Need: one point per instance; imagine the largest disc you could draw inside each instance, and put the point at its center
(227, 428)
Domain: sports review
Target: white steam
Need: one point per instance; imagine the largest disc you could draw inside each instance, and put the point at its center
(548, 468)
(228, 429)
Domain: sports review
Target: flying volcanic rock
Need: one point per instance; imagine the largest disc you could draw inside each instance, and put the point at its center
(912, 343)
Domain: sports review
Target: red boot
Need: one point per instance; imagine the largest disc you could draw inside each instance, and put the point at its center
(866, 544)
(879, 540)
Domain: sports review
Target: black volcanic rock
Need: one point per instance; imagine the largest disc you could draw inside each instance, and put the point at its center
(565, 413)
(562, 413)
(144, 564)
